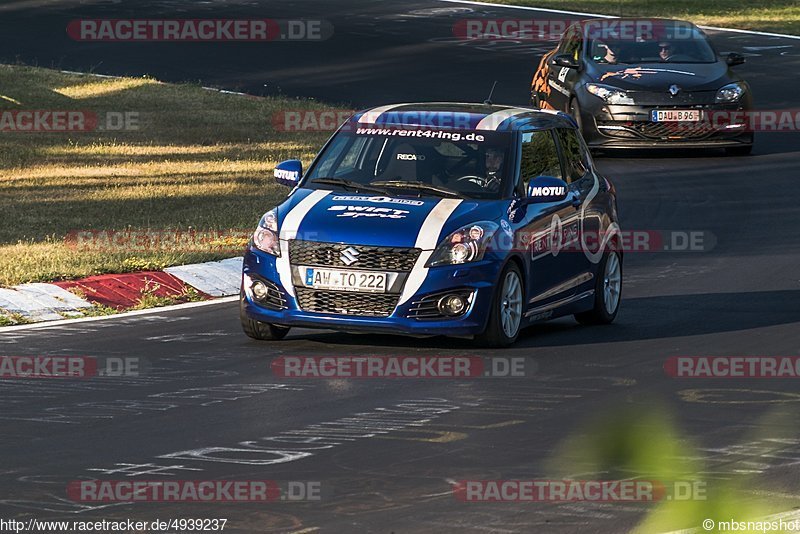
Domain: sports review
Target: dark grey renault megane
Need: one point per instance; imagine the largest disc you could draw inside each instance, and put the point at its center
(660, 84)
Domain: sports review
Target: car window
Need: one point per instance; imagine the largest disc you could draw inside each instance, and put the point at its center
(472, 164)
(348, 163)
(577, 161)
(571, 43)
(334, 151)
(692, 47)
(539, 157)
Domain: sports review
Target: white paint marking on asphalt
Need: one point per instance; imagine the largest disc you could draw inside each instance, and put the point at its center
(599, 16)
(151, 311)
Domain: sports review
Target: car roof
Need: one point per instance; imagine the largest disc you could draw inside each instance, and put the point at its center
(463, 116)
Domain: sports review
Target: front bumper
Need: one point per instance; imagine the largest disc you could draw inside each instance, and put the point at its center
(478, 279)
(607, 126)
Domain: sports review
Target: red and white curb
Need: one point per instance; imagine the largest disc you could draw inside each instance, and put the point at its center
(70, 299)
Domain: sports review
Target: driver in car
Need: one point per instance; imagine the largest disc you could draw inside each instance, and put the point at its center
(665, 50)
(494, 166)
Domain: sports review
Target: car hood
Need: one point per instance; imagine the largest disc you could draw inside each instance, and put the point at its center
(660, 76)
(398, 221)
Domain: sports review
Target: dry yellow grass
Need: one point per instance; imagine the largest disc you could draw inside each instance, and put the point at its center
(198, 160)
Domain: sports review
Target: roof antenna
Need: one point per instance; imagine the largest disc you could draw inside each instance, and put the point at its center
(488, 101)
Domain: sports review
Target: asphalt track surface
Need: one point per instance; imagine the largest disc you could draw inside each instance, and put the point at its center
(210, 386)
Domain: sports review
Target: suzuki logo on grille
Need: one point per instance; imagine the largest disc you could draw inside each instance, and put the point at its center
(674, 90)
(349, 256)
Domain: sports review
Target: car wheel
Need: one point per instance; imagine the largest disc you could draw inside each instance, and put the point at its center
(505, 317)
(607, 291)
(575, 111)
(739, 150)
(257, 329)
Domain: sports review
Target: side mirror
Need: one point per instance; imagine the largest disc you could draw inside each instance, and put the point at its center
(566, 60)
(546, 189)
(288, 172)
(734, 59)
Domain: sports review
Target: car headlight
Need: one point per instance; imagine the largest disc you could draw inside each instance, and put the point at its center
(731, 92)
(609, 95)
(465, 245)
(265, 238)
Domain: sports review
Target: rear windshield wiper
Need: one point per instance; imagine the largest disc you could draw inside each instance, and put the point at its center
(419, 186)
(349, 184)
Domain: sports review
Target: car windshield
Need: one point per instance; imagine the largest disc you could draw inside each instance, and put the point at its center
(684, 45)
(415, 161)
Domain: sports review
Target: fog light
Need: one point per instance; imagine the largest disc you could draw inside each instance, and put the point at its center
(259, 290)
(452, 305)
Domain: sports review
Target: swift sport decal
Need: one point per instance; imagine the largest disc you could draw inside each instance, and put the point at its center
(289, 227)
(355, 212)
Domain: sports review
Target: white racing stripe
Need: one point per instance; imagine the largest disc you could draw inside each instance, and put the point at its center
(494, 120)
(427, 239)
(291, 223)
(372, 115)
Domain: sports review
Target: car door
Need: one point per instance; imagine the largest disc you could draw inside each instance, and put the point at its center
(562, 79)
(587, 194)
(540, 229)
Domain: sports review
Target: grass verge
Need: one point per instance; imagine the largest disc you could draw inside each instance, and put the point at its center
(186, 162)
(780, 16)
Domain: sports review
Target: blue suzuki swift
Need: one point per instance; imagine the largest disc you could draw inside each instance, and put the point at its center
(438, 219)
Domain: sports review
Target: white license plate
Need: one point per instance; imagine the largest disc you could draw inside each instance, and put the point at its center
(675, 115)
(338, 280)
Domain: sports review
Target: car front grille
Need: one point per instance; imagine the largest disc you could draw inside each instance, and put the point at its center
(319, 254)
(658, 130)
(346, 303)
(664, 98)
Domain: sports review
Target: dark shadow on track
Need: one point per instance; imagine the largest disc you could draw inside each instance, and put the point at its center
(640, 319)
